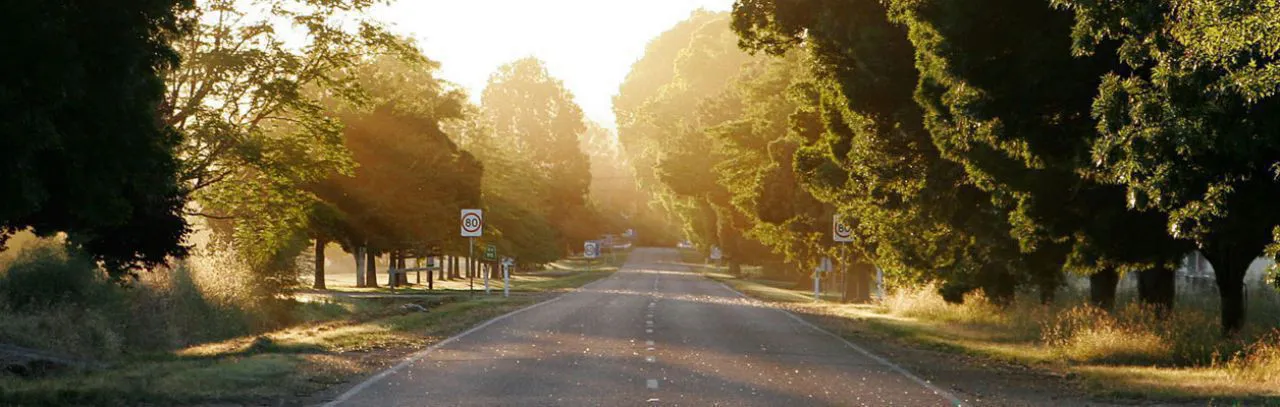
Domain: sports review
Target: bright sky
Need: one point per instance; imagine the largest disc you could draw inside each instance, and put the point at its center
(588, 44)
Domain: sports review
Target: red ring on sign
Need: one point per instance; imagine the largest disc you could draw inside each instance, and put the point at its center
(479, 223)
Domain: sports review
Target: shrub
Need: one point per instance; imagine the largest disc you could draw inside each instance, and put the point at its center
(48, 272)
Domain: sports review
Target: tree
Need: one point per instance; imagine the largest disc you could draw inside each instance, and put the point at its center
(1014, 110)
(668, 129)
(535, 117)
(864, 149)
(250, 104)
(85, 151)
(1189, 125)
(411, 180)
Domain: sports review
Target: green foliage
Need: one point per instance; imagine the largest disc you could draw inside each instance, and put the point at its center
(1190, 126)
(47, 272)
(862, 147)
(411, 179)
(668, 109)
(256, 117)
(84, 150)
(536, 125)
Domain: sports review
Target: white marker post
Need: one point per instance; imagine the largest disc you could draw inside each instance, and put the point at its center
(817, 284)
(507, 262)
(472, 227)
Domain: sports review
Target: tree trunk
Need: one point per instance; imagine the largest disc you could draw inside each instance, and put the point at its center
(319, 283)
(1157, 288)
(1229, 268)
(735, 268)
(404, 264)
(440, 263)
(359, 260)
(402, 278)
(1102, 288)
(371, 272)
(453, 267)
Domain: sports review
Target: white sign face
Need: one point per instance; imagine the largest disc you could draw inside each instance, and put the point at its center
(715, 253)
(826, 265)
(472, 223)
(508, 261)
(840, 231)
(591, 249)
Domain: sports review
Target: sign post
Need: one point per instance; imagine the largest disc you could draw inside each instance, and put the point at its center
(472, 227)
(591, 250)
(842, 233)
(823, 267)
(490, 256)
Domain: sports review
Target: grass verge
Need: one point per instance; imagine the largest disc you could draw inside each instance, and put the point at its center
(1128, 354)
(348, 337)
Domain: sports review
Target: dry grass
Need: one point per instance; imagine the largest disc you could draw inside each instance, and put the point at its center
(1128, 353)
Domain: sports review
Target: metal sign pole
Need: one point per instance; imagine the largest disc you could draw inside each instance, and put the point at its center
(471, 265)
(489, 268)
(506, 280)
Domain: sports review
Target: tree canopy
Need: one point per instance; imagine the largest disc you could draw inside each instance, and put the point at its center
(86, 150)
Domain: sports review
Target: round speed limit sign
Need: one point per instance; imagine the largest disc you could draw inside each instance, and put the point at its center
(840, 231)
(472, 223)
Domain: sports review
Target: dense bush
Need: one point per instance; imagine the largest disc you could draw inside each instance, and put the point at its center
(48, 273)
(54, 298)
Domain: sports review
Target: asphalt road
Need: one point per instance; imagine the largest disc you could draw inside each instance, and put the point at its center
(651, 334)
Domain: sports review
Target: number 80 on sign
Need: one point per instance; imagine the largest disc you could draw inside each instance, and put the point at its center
(472, 223)
(840, 231)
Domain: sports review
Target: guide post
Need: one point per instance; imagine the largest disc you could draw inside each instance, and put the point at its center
(507, 263)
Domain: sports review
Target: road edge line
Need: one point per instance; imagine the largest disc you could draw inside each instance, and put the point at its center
(893, 366)
(416, 356)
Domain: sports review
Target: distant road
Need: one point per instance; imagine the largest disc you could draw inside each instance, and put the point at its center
(651, 334)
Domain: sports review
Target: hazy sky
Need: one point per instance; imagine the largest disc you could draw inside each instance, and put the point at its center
(589, 44)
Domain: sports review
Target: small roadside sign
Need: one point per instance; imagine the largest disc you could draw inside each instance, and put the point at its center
(507, 261)
(825, 265)
(715, 253)
(490, 252)
(840, 231)
(472, 223)
(591, 249)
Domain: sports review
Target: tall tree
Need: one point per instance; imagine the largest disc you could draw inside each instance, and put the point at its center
(1014, 110)
(534, 116)
(85, 150)
(1190, 124)
(411, 180)
(249, 103)
(865, 150)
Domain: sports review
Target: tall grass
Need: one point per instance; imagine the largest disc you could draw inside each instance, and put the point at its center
(1135, 335)
(55, 299)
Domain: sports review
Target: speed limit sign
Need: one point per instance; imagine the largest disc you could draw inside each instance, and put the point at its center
(840, 231)
(472, 223)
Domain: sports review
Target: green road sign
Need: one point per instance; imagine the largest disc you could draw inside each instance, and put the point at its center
(490, 252)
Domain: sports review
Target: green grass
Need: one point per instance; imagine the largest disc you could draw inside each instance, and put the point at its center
(299, 360)
(1122, 355)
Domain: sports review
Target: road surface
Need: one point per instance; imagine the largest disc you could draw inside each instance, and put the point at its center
(651, 334)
